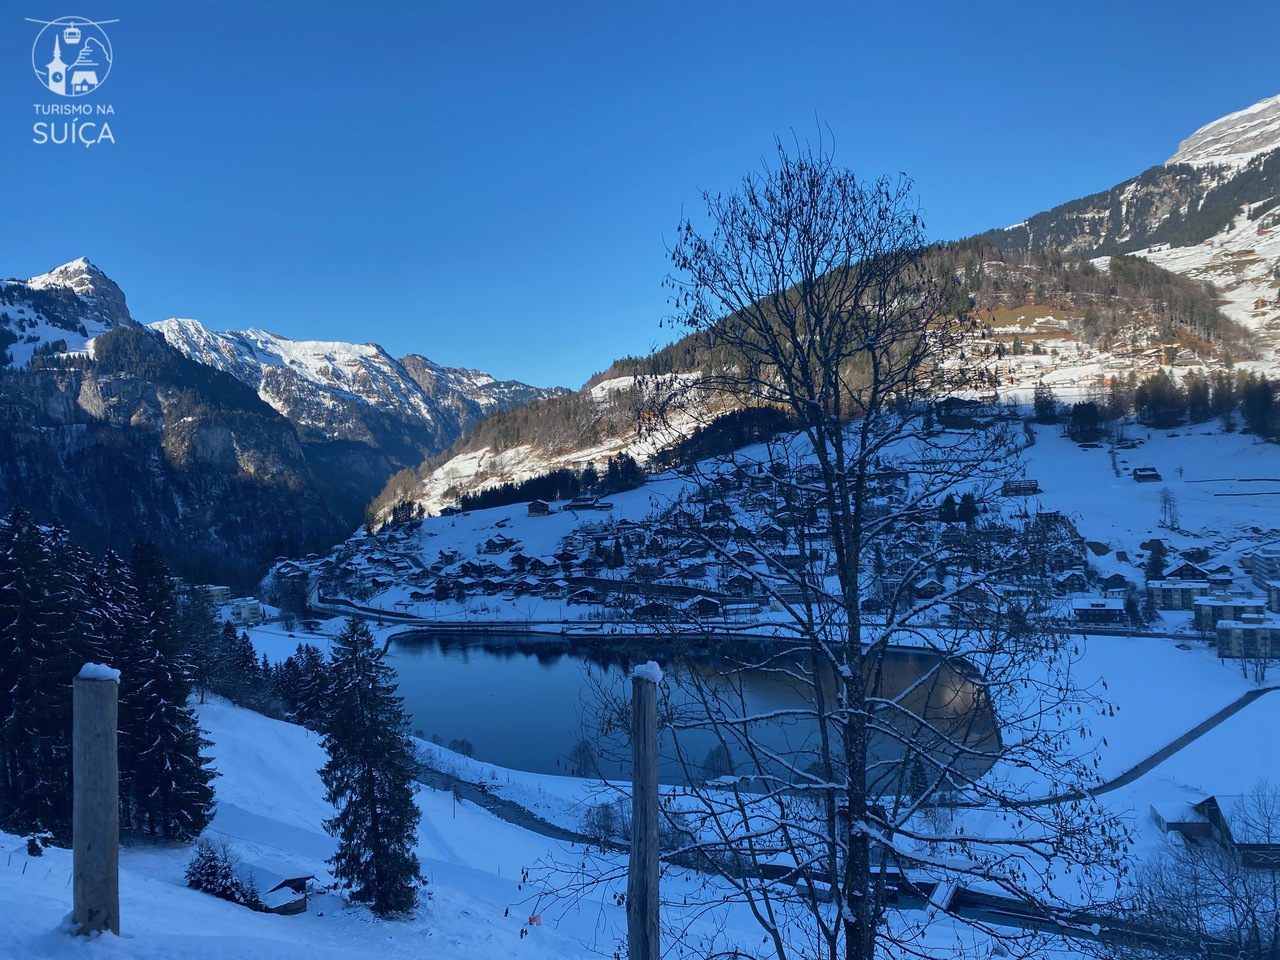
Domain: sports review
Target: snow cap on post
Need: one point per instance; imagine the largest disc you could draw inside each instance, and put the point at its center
(648, 671)
(98, 671)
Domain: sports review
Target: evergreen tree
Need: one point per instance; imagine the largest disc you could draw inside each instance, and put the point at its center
(311, 699)
(1199, 408)
(1045, 402)
(1157, 560)
(1085, 422)
(369, 777)
(198, 630)
(947, 509)
(43, 610)
(166, 783)
(1160, 401)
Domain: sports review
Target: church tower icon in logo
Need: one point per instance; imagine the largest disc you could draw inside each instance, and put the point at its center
(82, 41)
(57, 77)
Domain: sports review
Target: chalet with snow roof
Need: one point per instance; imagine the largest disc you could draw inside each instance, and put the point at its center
(1099, 611)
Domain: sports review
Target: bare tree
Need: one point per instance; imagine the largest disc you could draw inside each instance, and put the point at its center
(895, 739)
(1168, 509)
(1210, 896)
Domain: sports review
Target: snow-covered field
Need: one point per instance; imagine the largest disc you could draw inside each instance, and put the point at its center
(1226, 487)
(474, 907)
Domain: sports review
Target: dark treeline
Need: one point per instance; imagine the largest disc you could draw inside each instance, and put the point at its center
(1161, 401)
(1180, 205)
(1132, 292)
(621, 473)
(725, 434)
(61, 608)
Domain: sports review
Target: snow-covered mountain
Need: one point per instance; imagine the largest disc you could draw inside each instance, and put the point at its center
(1235, 139)
(1211, 212)
(349, 391)
(58, 311)
(224, 448)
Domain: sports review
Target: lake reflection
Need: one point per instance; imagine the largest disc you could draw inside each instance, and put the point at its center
(527, 707)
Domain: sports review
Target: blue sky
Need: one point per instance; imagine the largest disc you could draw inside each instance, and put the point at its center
(490, 184)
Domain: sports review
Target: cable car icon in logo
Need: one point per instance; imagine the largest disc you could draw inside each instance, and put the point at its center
(71, 56)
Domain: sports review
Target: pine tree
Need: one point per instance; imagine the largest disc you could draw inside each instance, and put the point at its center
(1157, 559)
(369, 777)
(198, 630)
(166, 783)
(1045, 402)
(312, 693)
(44, 610)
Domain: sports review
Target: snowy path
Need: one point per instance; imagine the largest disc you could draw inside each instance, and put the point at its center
(1145, 766)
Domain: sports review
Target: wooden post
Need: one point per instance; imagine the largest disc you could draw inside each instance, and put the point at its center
(642, 871)
(95, 816)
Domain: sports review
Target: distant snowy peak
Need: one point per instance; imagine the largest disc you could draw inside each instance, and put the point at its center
(59, 311)
(1235, 139)
(322, 385)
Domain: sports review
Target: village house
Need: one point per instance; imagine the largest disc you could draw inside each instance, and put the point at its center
(1187, 571)
(1098, 610)
(1227, 821)
(1020, 488)
(703, 607)
(929, 588)
(1264, 565)
(216, 595)
(282, 889)
(1116, 585)
(539, 508)
(1073, 582)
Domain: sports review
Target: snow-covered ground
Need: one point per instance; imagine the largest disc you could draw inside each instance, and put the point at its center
(475, 905)
(1226, 487)
(1240, 262)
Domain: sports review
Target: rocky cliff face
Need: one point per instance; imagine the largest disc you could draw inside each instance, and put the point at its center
(141, 443)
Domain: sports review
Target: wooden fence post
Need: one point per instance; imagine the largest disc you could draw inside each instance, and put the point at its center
(642, 870)
(95, 816)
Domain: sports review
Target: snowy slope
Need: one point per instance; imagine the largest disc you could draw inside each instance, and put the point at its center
(1190, 216)
(62, 309)
(1234, 139)
(270, 808)
(479, 468)
(1242, 263)
(476, 905)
